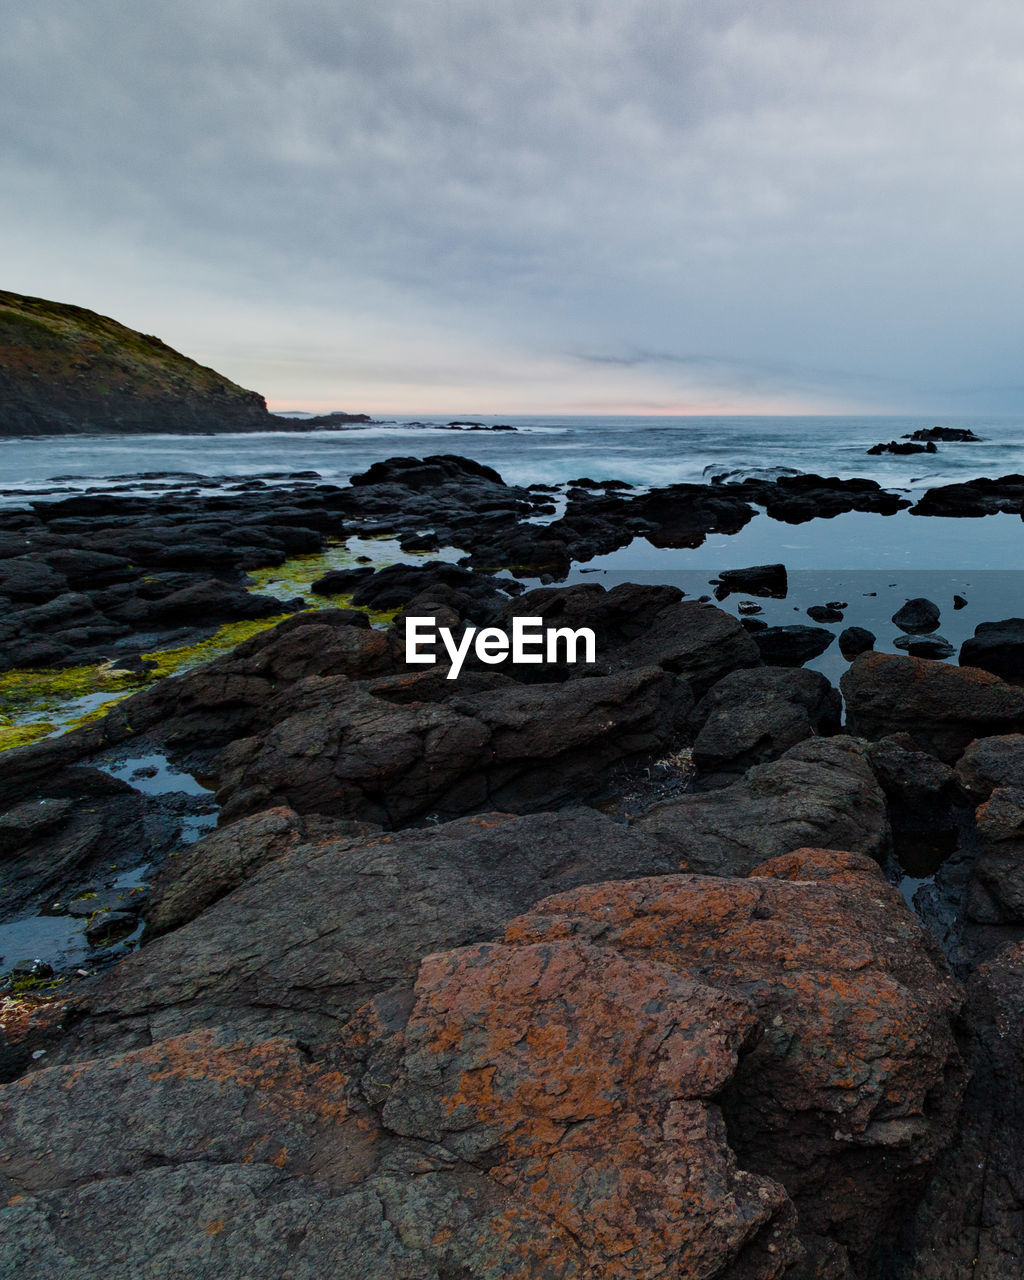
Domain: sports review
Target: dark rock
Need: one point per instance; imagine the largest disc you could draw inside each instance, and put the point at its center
(825, 613)
(950, 435)
(204, 872)
(959, 603)
(935, 647)
(909, 777)
(361, 914)
(854, 641)
(917, 616)
(417, 474)
(822, 792)
(748, 607)
(107, 926)
(407, 746)
(759, 580)
(943, 708)
(989, 763)
(25, 579)
(792, 646)
(896, 446)
(753, 716)
(967, 1225)
(983, 497)
(997, 647)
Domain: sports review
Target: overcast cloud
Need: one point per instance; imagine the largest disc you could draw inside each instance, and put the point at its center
(595, 205)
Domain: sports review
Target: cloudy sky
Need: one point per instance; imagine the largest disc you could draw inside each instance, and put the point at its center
(536, 205)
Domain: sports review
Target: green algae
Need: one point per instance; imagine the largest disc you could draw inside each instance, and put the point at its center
(35, 704)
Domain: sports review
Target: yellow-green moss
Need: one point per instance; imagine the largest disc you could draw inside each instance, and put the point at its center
(35, 704)
(170, 662)
(20, 735)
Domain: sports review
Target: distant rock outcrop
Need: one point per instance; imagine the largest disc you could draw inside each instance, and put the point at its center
(67, 371)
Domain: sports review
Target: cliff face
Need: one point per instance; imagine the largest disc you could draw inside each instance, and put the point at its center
(65, 370)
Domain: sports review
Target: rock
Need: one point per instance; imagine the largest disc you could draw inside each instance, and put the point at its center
(950, 435)
(315, 932)
(405, 746)
(896, 446)
(759, 580)
(989, 763)
(982, 497)
(746, 608)
(122, 900)
(825, 613)
(204, 872)
(943, 708)
(644, 1004)
(917, 616)
(814, 1105)
(967, 1226)
(911, 779)
(934, 647)
(107, 926)
(997, 647)
(792, 646)
(854, 641)
(997, 874)
(26, 579)
(412, 473)
(755, 715)
(821, 791)
(959, 603)
(638, 626)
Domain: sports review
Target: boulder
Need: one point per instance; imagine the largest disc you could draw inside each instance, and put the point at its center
(758, 580)
(967, 1225)
(997, 873)
(751, 716)
(997, 647)
(855, 640)
(934, 647)
(408, 746)
(821, 791)
(792, 646)
(943, 708)
(917, 616)
(855, 1084)
(989, 763)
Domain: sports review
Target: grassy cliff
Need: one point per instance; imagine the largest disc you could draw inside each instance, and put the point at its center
(66, 370)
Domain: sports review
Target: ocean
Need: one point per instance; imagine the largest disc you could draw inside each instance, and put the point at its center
(553, 450)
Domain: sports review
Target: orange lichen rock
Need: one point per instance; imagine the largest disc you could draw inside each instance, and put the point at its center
(679, 1077)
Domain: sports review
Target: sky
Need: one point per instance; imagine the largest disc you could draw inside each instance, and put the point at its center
(537, 206)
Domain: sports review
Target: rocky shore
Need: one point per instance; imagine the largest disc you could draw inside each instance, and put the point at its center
(678, 963)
